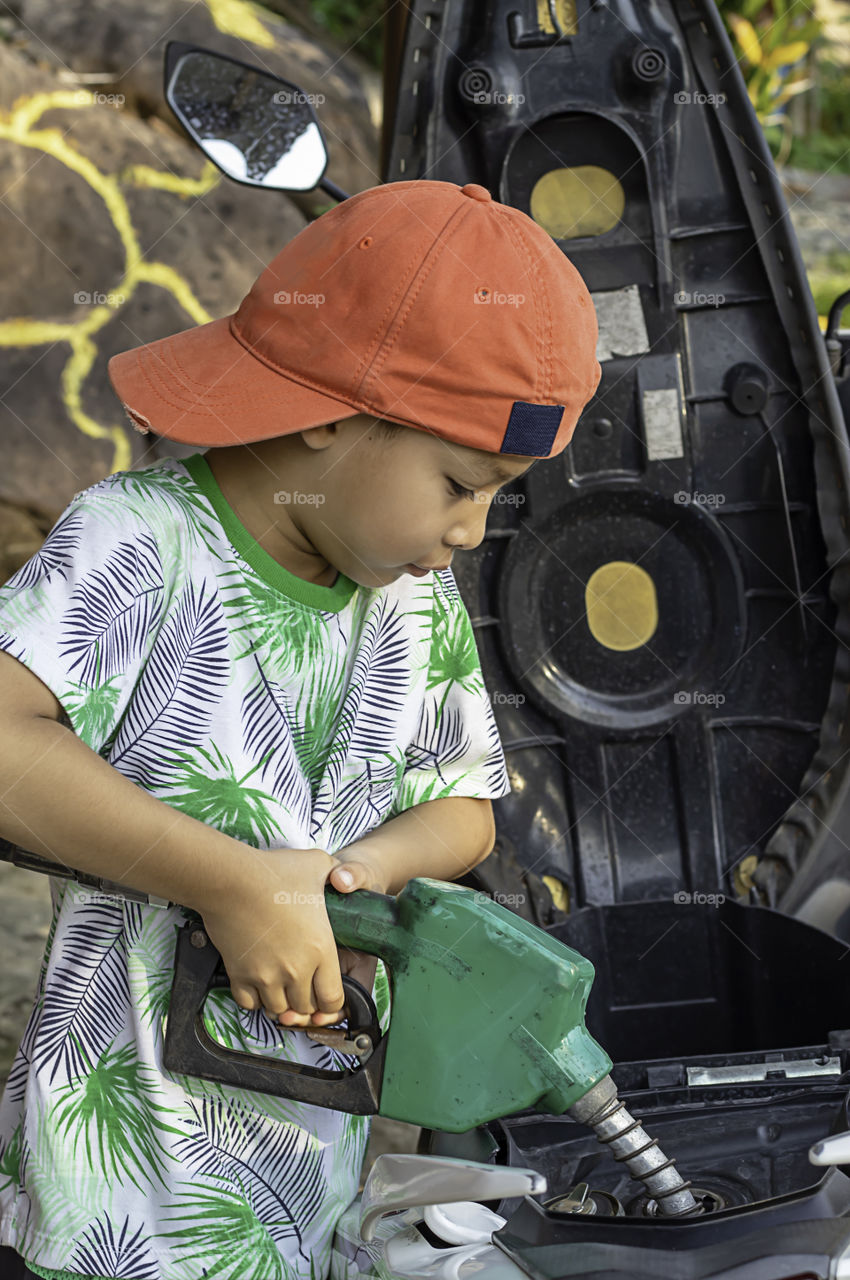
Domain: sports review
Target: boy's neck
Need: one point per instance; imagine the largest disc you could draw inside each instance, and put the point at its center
(241, 474)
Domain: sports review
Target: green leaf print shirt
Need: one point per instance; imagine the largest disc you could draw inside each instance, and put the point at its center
(287, 715)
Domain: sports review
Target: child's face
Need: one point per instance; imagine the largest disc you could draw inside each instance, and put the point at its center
(389, 504)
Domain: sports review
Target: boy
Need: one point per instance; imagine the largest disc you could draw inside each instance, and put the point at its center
(272, 684)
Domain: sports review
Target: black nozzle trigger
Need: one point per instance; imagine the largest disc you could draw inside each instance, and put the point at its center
(188, 1048)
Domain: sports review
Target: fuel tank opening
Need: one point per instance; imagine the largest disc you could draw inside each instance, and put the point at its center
(709, 1202)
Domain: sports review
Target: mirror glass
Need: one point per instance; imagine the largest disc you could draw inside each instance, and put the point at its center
(257, 128)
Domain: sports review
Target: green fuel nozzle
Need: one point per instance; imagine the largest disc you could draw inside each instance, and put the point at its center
(487, 1020)
(487, 1009)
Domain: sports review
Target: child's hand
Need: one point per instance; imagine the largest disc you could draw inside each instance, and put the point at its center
(346, 875)
(359, 965)
(355, 869)
(272, 929)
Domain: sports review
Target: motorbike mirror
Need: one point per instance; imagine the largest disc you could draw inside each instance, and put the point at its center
(255, 127)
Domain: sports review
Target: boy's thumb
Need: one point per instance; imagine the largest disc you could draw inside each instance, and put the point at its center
(356, 873)
(343, 878)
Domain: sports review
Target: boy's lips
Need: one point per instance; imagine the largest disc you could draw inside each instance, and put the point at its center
(421, 570)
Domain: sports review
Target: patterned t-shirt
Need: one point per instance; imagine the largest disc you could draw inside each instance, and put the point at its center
(285, 714)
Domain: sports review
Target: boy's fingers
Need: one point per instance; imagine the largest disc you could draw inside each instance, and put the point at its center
(299, 997)
(317, 1019)
(345, 877)
(320, 1018)
(362, 876)
(248, 998)
(289, 1018)
(327, 987)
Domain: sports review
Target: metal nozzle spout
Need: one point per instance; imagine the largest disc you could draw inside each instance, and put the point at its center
(601, 1109)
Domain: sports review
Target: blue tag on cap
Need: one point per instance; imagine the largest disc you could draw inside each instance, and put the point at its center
(532, 428)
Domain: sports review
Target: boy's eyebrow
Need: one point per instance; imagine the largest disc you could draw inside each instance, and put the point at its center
(496, 472)
(499, 473)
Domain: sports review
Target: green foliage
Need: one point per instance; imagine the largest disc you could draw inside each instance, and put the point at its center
(828, 146)
(358, 24)
(832, 93)
(773, 42)
(818, 151)
(829, 278)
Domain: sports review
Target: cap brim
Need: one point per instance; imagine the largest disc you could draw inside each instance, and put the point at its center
(202, 386)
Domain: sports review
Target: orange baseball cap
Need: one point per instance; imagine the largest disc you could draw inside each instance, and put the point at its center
(422, 303)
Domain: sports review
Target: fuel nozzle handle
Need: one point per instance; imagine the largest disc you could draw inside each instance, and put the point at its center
(487, 1009)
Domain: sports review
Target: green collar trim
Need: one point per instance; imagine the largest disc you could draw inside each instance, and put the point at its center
(331, 599)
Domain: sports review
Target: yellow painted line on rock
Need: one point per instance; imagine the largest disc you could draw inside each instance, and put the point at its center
(17, 125)
(34, 333)
(240, 18)
(142, 175)
(166, 277)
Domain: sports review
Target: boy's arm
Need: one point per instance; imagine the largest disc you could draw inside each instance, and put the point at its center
(441, 839)
(61, 800)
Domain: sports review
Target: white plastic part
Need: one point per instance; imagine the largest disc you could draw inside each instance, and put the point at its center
(840, 1266)
(408, 1255)
(833, 1150)
(401, 1180)
(463, 1222)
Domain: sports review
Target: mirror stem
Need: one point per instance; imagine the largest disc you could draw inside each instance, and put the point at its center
(333, 190)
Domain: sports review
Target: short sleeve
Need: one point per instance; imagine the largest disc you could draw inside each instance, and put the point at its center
(82, 613)
(456, 750)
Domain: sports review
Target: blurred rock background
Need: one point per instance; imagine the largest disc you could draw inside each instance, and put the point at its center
(119, 228)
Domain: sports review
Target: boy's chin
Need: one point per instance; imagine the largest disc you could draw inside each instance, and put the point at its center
(378, 577)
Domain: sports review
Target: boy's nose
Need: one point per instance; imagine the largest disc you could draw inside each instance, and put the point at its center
(468, 532)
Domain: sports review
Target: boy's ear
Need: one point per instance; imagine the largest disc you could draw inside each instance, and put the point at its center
(319, 437)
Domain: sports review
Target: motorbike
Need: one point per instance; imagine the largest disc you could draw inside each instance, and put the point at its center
(652, 772)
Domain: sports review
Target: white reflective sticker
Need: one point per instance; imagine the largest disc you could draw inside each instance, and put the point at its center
(662, 425)
(622, 328)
